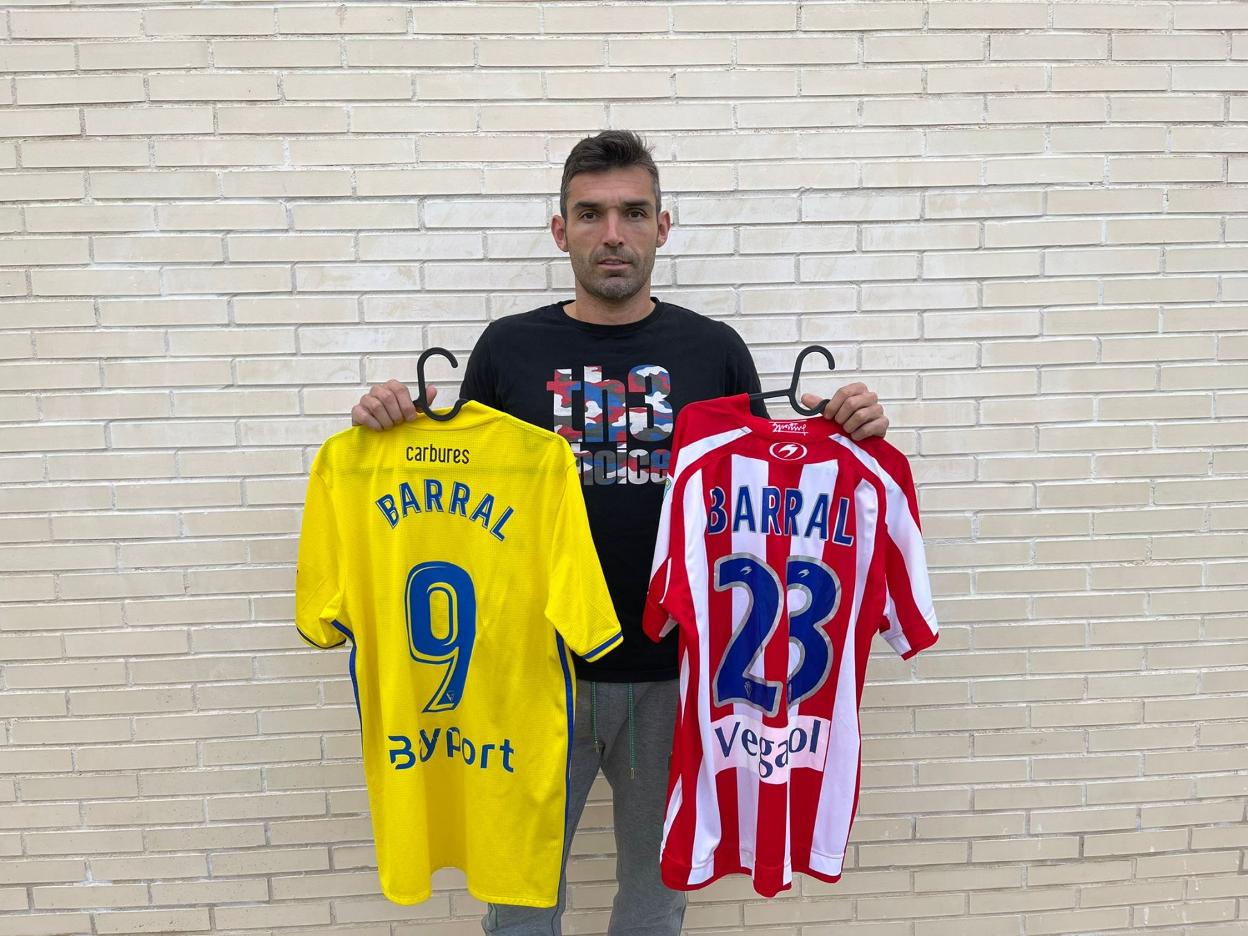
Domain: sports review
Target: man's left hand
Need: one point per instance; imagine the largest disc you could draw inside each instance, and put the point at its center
(856, 408)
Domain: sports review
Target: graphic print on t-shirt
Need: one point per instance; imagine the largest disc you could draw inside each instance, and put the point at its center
(613, 413)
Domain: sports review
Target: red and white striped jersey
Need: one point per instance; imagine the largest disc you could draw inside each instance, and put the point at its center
(783, 547)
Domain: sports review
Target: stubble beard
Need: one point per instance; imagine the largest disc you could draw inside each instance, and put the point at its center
(612, 287)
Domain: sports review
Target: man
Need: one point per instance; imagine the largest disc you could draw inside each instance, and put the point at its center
(609, 370)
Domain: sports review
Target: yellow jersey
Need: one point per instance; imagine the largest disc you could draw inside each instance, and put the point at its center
(456, 559)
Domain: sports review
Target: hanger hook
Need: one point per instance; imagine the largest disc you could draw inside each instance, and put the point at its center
(797, 376)
(422, 402)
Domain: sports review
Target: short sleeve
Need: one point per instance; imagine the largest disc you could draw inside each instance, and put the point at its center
(318, 592)
(741, 376)
(578, 604)
(909, 620)
(480, 381)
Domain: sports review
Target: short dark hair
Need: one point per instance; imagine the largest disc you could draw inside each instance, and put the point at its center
(611, 149)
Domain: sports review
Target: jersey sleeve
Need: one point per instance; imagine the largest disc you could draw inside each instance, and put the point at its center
(318, 591)
(578, 603)
(667, 598)
(909, 621)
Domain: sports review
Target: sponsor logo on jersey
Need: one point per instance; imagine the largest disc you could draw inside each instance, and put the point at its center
(770, 752)
(612, 414)
(796, 425)
(788, 451)
(453, 745)
(437, 454)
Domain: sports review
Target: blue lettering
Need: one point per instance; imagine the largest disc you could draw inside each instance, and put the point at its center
(460, 495)
(403, 750)
(427, 743)
(744, 514)
(459, 499)
(819, 517)
(792, 504)
(433, 494)
(483, 510)
(726, 743)
(386, 505)
(465, 748)
(749, 741)
(408, 499)
(841, 538)
(770, 514)
(497, 529)
(507, 752)
(716, 518)
(457, 747)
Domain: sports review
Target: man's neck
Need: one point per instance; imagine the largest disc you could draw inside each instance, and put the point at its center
(587, 308)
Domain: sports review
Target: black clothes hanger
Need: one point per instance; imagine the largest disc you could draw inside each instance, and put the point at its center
(422, 402)
(791, 392)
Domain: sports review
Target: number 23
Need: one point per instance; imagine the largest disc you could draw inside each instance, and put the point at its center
(733, 681)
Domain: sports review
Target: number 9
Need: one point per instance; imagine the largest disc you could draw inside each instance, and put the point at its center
(454, 645)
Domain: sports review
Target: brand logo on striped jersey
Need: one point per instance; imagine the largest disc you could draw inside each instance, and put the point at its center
(795, 425)
(771, 752)
(788, 451)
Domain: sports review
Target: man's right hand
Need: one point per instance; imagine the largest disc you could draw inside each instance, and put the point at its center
(386, 405)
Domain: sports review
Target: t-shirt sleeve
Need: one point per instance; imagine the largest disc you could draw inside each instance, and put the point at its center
(909, 620)
(741, 375)
(480, 378)
(578, 604)
(318, 587)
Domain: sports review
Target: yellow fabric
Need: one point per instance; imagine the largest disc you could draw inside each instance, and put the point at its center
(456, 558)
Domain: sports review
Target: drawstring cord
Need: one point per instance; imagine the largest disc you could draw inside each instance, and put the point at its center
(632, 737)
(599, 746)
(593, 715)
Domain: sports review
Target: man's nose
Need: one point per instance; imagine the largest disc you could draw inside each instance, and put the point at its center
(611, 235)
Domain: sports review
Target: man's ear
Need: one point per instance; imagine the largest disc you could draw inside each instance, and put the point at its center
(559, 231)
(665, 227)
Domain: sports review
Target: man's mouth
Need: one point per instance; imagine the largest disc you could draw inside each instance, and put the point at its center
(613, 262)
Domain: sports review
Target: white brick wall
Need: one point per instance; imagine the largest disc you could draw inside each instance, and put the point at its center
(1023, 223)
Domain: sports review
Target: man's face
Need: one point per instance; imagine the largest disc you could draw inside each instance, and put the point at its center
(612, 231)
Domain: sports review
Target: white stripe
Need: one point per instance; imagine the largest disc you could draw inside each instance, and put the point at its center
(707, 831)
(816, 478)
(751, 473)
(690, 453)
(840, 777)
(677, 797)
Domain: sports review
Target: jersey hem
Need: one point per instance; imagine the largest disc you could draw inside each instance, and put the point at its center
(407, 900)
(678, 883)
(598, 652)
(320, 646)
(676, 875)
(926, 641)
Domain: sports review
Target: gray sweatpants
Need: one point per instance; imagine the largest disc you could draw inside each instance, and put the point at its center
(637, 773)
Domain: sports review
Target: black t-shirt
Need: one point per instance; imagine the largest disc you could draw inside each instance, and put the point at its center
(613, 391)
